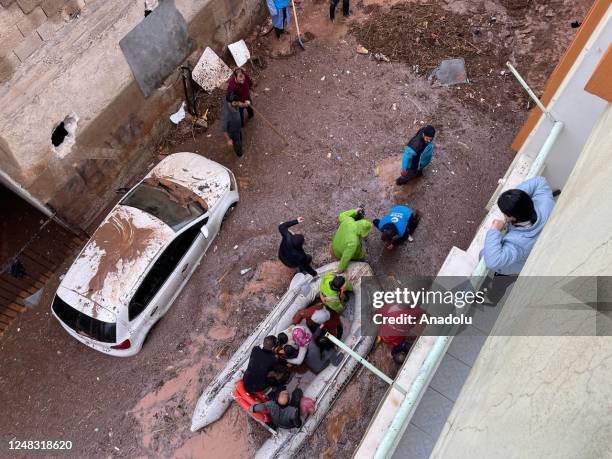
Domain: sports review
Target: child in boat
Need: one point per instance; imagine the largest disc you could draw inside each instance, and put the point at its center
(295, 341)
(284, 411)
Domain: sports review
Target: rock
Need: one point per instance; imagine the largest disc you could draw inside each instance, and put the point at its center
(362, 50)
(380, 57)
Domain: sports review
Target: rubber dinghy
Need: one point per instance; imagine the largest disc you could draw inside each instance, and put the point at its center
(324, 387)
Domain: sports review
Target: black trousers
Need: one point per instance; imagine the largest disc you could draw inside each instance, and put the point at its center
(277, 30)
(249, 111)
(332, 8)
(411, 175)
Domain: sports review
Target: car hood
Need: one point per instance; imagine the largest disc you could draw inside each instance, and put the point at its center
(107, 272)
(207, 179)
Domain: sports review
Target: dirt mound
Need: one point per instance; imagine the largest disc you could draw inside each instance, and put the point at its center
(417, 34)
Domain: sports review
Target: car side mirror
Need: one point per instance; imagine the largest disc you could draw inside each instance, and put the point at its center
(204, 231)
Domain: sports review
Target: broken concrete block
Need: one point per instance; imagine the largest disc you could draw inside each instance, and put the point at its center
(32, 21)
(210, 71)
(31, 43)
(48, 30)
(51, 7)
(450, 72)
(10, 39)
(28, 5)
(8, 64)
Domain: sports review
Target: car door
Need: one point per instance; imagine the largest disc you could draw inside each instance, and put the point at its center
(164, 280)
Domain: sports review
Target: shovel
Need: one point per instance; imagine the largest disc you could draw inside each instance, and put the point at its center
(297, 26)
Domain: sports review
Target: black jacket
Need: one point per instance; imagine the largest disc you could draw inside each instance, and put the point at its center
(261, 362)
(291, 251)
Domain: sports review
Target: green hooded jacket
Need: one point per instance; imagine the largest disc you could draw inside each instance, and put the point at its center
(346, 245)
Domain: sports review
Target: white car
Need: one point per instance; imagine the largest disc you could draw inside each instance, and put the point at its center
(140, 257)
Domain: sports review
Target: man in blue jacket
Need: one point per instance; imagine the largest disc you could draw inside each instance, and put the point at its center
(417, 154)
(526, 210)
(397, 226)
(280, 16)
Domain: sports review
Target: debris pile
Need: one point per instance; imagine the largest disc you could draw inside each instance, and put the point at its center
(425, 35)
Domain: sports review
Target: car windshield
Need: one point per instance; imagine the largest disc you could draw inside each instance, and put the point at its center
(105, 332)
(173, 204)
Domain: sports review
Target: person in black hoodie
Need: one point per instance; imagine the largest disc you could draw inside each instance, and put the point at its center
(264, 369)
(291, 250)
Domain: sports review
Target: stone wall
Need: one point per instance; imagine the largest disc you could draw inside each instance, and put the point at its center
(26, 24)
(78, 72)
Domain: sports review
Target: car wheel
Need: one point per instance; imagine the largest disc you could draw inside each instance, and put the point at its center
(227, 212)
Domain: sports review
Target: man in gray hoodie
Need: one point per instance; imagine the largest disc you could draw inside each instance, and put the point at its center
(526, 210)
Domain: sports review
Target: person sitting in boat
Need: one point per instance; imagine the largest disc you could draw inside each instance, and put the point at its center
(284, 410)
(263, 366)
(334, 291)
(400, 337)
(318, 316)
(296, 339)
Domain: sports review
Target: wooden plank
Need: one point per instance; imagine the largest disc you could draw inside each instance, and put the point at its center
(7, 299)
(5, 320)
(37, 258)
(21, 293)
(14, 307)
(24, 282)
(27, 288)
(8, 312)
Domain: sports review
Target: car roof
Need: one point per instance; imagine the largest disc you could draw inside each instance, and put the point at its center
(208, 179)
(107, 272)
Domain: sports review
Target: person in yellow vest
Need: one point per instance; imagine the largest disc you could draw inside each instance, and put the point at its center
(333, 291)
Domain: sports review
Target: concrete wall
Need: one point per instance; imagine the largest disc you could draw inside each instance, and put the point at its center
(80, 71)
(548, 396)
(578, 109)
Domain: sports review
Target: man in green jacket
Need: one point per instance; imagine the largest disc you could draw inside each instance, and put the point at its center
(346, 245)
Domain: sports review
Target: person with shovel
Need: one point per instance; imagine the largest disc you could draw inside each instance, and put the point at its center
(280, 17)
(241, 84)
(231, 122)
(417, 154)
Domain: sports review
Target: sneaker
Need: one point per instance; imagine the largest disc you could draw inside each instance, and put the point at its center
(337, 359)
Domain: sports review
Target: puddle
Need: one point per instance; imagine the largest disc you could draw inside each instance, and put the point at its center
(225, 439)
(270, 275)
(219, 332)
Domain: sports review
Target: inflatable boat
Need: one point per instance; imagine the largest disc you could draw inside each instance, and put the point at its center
(323, 387)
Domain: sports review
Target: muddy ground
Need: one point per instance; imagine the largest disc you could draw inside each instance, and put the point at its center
(347, 118)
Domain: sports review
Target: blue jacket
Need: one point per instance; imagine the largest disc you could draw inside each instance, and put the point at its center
(399, 217)
(275, 7)
(409, 154)
(507, 253)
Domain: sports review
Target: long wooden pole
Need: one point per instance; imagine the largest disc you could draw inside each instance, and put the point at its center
(271, 125)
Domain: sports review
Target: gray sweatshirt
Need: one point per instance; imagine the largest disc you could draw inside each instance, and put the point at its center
(230, 120)
(285, 417)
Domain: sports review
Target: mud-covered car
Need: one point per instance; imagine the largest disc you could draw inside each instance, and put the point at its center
(140, 257)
